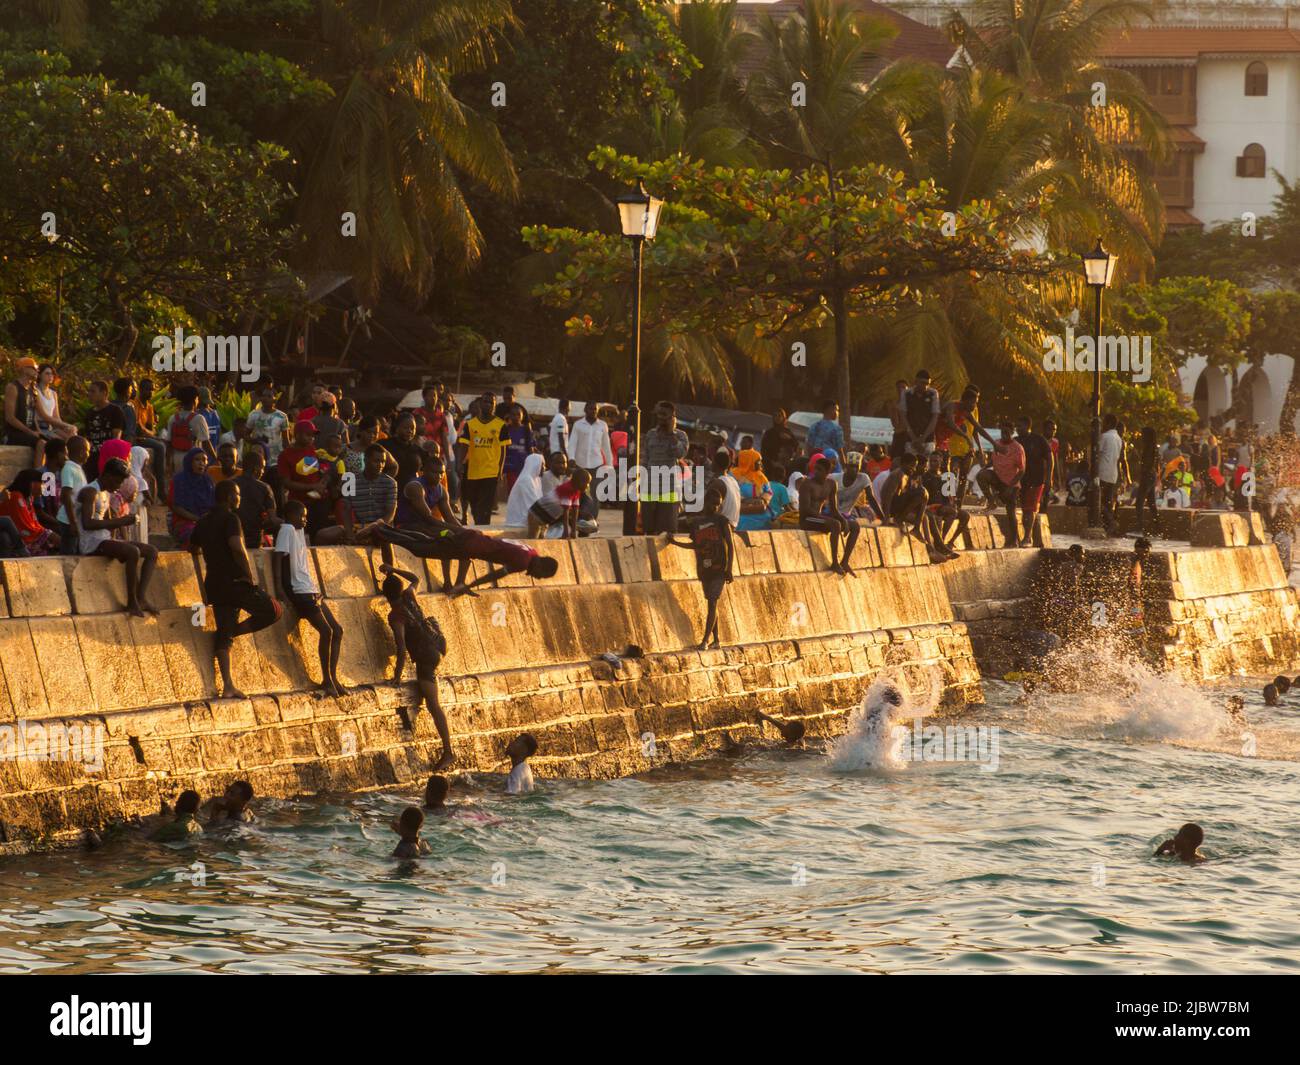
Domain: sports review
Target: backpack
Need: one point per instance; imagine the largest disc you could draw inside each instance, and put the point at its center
(182, 439)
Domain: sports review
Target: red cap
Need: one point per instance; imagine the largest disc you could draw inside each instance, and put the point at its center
(305, 426)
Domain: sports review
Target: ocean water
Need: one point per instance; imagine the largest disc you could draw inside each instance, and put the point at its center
(849, 857)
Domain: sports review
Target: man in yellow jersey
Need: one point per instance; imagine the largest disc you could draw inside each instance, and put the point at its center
(484, 437)
(955, 434)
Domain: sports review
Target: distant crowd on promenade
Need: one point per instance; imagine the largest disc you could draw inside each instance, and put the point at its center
(310, 469)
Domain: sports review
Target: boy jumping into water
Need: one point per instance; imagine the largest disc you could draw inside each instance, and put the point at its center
(423, 638)
(715, 555)
(792, 732)
(1184, 845)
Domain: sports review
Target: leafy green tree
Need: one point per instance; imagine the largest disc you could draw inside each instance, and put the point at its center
(124, 209)
(767, 249)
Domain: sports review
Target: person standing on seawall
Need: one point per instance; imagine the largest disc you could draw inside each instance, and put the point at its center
(664, 446)
(485, 437)
(228, 583)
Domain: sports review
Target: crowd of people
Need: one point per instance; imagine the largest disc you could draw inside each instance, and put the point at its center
(312, 470)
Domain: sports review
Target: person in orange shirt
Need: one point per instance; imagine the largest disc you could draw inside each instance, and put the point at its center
(227, 464)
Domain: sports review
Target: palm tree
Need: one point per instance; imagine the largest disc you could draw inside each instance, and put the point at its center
(395, 145)
(1051, 49)
(814, 105)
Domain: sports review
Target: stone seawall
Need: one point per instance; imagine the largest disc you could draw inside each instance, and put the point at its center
(797, 641)
(1209, 614)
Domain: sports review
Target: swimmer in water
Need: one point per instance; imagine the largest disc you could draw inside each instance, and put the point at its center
(233, 805)
(519, 750)
(1270, 695)
(792, 732)
(1282, 684)
(1184, 844)
(185, 823)
(408, 827)
(435, 795)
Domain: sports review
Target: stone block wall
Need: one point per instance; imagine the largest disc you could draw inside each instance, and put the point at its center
(135, 699)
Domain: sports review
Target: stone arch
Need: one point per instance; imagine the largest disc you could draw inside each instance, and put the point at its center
(1212, 393)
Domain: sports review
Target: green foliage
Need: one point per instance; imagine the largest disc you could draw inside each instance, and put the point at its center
(769, 247)
(153, 225)
(1142, 405)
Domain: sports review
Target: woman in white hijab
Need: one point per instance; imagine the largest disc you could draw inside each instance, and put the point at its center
(526, 492)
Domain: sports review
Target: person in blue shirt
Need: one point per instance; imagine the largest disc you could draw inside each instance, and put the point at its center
(210, 414)
(827, 432)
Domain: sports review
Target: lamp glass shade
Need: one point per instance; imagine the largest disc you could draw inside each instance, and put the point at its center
(1099, 267)
(639, 214)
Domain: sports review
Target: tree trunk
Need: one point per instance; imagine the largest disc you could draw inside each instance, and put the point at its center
(1291, 404)
(842, 390)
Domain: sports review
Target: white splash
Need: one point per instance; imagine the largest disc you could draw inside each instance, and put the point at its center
(872, 740)
(1104, 687)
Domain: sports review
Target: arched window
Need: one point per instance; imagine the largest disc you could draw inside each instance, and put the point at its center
(1257, 79)
(1250, 163)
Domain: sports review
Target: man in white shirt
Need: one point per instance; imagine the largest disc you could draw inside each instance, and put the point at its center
(589, 443)
(559, 432)
(1109, 448)
(853, 485)
(294, 581)
(730, 508)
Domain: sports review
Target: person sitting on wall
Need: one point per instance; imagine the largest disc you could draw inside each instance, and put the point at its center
(819, 511)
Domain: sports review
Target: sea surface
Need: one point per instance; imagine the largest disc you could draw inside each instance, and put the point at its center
(1034, 857)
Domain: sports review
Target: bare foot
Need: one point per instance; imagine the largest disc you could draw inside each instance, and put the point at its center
(338, 688)
(233, 693)
(135, 611)
(445, 762)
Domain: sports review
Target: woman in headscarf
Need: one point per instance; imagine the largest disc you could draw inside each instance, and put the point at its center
(527, 490)
(134, 495)
(755, 492)
(116, 448)
(191, 496)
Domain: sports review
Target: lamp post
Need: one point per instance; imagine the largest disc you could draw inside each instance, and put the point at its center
(1098, 269)
(639, 214)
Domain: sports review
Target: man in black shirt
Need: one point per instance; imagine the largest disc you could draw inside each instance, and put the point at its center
(104, 421)
(404, 448)
(228, 583)
(779, 445)
(1038, 473)
(256, 500)
(920, 407)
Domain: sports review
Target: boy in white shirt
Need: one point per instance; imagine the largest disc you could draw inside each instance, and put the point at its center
(295, 583)
(519, 750)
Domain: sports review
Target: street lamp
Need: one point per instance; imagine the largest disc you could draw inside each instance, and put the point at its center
(1098, 269)
(639, 214)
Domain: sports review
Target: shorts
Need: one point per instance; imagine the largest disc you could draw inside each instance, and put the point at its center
(546, 515)
(319, 516)
(307, 605)
(904, 501)
(712, 588)
(1030, 496)
(248, 598)
(21, 438)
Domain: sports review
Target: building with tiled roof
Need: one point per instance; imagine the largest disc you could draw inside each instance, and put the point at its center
(915, 40)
